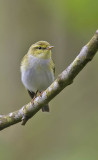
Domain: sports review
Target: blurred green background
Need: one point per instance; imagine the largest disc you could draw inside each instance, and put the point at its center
(70, 130)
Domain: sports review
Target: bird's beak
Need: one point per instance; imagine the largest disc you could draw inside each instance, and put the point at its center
(50, 47)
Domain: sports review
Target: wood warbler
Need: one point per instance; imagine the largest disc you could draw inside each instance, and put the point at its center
(37, 69)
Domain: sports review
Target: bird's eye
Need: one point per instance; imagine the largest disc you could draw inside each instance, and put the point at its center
(39, 47)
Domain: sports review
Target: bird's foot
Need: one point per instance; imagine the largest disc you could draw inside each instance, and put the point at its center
(34, 97)
(41, 93)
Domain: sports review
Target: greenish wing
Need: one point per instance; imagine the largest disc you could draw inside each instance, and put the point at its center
(54, 69)
(53, 66)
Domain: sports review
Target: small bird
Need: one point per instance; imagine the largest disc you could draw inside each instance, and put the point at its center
(37, 69)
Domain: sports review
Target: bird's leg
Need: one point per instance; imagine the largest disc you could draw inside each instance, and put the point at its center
(41, 93)
(36, 92)
(34, 96)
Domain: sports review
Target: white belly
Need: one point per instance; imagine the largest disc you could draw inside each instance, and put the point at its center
(37, 76)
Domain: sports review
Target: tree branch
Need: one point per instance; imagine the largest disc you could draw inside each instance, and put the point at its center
(64, 79)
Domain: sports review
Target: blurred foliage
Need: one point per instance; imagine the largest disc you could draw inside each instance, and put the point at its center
(70, 130)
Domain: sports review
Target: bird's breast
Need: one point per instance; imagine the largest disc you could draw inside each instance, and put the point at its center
(37, 75)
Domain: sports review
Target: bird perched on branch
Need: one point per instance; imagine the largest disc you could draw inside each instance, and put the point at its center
(37, 69)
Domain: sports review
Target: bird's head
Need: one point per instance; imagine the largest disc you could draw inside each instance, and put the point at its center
(41, 49)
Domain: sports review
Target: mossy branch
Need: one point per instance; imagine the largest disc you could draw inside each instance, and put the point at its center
(64, 79)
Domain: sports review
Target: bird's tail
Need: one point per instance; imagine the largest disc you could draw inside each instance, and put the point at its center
(45, 108)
